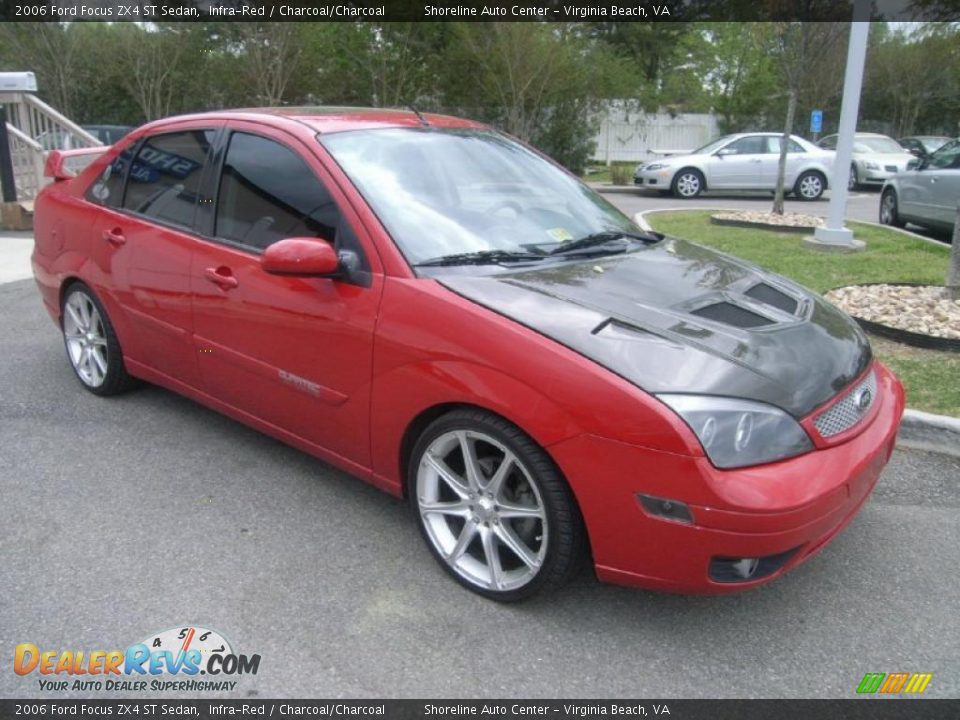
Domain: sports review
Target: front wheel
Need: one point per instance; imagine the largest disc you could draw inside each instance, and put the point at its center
(853, 182)
(91, 343)
(809, 186)
(494, 510)
(889, 212)
(688, 183)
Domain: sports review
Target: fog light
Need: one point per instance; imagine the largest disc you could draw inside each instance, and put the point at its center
(745, 567)
(734, 570)
(665, 508)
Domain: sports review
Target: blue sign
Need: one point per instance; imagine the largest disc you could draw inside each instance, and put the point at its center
(816, 121)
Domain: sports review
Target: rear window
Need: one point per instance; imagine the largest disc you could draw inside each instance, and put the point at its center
(164, 179)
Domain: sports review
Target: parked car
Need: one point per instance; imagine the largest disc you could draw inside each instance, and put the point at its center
(926, 193)
(745, 161)
(923, 145)
(875, 158)
(439, 310)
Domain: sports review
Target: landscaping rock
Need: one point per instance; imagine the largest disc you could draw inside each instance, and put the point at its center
(787, 220)
(923, 309)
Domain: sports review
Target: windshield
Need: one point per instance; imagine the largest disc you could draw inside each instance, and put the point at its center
(450, 192)
(878, 144)
(712, 146)
(931, 144)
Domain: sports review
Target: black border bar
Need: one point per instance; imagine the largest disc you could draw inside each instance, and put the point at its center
(872, 708)
(470, 10)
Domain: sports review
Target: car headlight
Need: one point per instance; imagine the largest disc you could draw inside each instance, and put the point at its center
(656, 166)
(736, 433)
(870, 165)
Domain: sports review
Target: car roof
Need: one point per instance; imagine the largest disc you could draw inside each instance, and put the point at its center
(926, 137)
(324, 119)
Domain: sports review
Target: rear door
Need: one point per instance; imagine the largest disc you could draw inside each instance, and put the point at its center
(294, 352)
(150, 195)
(796, 157)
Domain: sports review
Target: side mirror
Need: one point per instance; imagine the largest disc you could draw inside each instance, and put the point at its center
(914, 164)
(723, 152)
(301, 256)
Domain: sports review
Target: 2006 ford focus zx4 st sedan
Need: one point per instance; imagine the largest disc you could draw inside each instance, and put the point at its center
(440, 310)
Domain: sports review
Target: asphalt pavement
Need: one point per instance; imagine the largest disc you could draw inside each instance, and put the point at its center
(132, 515)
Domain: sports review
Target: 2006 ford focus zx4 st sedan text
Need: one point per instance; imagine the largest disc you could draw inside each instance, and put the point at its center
(440, 310)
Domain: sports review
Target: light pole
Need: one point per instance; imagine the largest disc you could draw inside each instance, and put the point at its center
(834, 235)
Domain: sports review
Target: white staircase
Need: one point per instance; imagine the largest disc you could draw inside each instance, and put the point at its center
(34, 129)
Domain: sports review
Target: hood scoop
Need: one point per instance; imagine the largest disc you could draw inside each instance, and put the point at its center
(769, 295)
(730, 314)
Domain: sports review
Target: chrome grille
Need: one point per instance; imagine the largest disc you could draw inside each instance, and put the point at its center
(848, 410)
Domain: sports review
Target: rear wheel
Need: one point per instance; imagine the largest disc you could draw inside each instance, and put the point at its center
(889, 212)
(810, 186)
(91, 343)
(494, 510)
(688, 183)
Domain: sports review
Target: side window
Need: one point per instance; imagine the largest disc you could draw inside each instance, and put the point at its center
(947, 157)
(773, 145)
(268, 193)
(749, 146)
(108, 188)
(164, 181)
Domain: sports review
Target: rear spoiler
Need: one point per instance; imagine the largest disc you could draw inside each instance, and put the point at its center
(66, 164)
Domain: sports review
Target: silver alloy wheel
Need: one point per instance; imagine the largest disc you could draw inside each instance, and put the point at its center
(852, 180)
(688, 184)
(811, 186)
(482, 510)
(85, 338)
(888, 209)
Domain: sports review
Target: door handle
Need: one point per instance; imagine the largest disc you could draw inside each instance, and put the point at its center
(221, 276)
(115, 237)
(933, 180)
(756, 160)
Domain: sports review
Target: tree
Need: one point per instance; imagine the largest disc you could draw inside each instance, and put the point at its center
(796, 46)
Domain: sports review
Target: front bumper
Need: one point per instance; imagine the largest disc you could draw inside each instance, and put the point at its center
(657, 179)
(787, 510)
(874, 177)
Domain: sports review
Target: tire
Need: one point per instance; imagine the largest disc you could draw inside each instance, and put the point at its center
(529, 523)
(889, 209)
(810, 186)
(688, 183)
(92, 347)
(853, 183)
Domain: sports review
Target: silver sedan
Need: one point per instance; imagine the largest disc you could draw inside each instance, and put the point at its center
(745, 161)
(926, 193)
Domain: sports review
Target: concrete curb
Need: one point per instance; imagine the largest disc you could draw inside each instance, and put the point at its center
(918, 430)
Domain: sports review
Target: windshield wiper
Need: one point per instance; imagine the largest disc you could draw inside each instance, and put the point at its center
(481, 257)
(603, 238)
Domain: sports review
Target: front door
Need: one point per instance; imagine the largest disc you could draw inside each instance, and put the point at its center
(739, 165)
(294, 352)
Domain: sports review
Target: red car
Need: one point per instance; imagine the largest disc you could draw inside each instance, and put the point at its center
(443, 312)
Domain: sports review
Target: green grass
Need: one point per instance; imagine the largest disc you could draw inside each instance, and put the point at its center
(932, 378)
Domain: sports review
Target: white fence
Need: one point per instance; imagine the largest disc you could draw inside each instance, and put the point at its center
(630, 136)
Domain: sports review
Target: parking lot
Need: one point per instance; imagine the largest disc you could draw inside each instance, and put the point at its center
(862, 205)
(129, 516)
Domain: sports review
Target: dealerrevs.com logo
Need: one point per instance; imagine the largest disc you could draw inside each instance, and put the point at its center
(171, 660)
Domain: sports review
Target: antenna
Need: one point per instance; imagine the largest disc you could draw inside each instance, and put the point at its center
(423, 120)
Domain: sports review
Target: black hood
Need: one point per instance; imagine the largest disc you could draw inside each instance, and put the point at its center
(678, 317)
